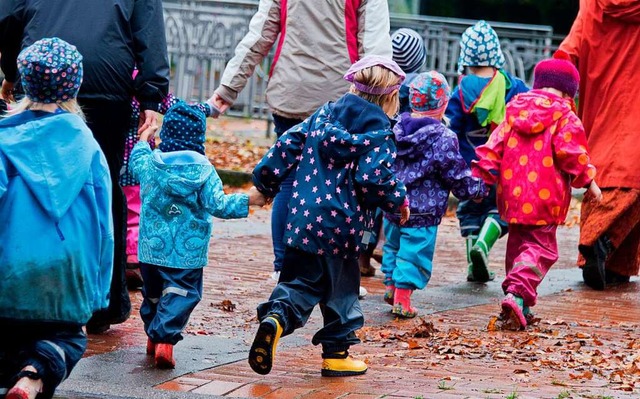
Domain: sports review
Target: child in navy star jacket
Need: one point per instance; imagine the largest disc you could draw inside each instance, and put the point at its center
(341, 157)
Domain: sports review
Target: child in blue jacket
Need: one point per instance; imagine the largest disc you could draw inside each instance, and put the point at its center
(56, 240)
(340, 158)
(430, 166)
(476, 107)
(180, 191)
(131, 186)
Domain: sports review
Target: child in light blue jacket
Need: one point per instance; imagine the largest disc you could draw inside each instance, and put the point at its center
(56, 239)
(180, 190)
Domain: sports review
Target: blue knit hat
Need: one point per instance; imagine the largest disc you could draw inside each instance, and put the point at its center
(480, 46)
(50, 71)
(183, 128)
(408, 49)
(429, 94)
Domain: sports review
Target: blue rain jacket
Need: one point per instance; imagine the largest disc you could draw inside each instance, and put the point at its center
(56, 240)
(180, 191)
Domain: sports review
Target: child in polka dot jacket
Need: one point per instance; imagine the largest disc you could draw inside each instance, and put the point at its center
(535, 156)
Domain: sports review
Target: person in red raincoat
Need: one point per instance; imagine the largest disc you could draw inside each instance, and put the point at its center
(603, 43)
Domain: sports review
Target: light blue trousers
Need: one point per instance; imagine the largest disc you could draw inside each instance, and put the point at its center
(407, 259)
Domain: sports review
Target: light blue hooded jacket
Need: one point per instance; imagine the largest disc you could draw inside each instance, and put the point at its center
(180, 190)
(56, 239)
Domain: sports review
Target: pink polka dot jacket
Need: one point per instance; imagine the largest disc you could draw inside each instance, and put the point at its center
(535, 156)
(341, 157)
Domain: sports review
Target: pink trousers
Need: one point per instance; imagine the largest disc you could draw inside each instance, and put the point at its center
(133, 221)
(531, 251)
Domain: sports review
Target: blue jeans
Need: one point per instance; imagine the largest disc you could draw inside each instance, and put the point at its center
(280, 208)
(407, 255)
(308, 280)
(52, 349)
(170, 295)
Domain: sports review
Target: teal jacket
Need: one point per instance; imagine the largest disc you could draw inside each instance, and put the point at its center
(56, 239)
(179, 191)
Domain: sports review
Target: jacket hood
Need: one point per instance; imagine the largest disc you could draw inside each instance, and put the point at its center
(535, 111)
(356, 124)
(52, 153)
(411, 131)
(181, 173)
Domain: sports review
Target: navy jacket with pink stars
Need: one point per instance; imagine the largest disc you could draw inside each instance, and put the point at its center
(342, 157)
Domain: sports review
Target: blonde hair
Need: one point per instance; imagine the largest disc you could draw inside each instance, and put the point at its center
(26, 104)
(377, 76)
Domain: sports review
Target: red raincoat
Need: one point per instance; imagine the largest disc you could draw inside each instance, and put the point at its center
(605, 44)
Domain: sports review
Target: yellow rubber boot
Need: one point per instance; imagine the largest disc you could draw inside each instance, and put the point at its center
(340, 364)
(263, 350)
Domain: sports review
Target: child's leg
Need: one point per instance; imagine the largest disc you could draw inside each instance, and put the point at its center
(279, 212)
(491, 228)
(342, 318)
(300, 288)
(181, 292)
(151, 293)
(47, 355)
(390, 250)
(413, 266)
(133, 274)
(415, 257)
(531, 251)
(133, 221)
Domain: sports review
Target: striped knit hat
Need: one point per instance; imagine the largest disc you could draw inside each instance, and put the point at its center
(408, 49)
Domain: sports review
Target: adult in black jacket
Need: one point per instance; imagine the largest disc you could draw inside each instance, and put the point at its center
(113, 36)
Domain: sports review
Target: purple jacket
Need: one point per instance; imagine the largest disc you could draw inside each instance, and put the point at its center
(429, 163)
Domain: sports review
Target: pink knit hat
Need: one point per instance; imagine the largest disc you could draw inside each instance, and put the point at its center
(558, 74)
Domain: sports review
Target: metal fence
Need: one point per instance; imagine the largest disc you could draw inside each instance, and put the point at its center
(202, 36)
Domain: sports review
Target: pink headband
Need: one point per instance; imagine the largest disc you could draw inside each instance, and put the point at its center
(368, 62)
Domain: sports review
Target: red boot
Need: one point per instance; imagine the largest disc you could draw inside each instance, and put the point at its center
(402, 303)
(164, 356)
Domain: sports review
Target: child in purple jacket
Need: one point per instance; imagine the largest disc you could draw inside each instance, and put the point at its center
(429, 163)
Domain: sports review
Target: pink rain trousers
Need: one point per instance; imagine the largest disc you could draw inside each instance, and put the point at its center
(133, 221)
(531, 251)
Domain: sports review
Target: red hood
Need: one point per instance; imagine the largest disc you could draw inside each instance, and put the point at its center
(535, 111)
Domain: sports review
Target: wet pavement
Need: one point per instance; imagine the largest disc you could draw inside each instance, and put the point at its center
(586, 344)
(211, 361)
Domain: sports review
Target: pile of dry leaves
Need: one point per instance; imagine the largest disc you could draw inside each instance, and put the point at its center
(545, 346)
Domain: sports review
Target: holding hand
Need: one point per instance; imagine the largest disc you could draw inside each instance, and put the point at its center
(149, 133)
(595, 191)
(405, 212)
(257, 198)
(219, 105)
(147, 119)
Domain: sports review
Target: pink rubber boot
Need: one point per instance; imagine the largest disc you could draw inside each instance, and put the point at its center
(402, 303)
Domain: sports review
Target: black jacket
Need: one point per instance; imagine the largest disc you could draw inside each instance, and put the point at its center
(113, 36)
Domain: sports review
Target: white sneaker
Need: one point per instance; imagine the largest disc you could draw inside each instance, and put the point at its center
(275, 276)
(362, 293)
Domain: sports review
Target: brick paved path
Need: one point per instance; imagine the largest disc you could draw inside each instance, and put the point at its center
(575, 323)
